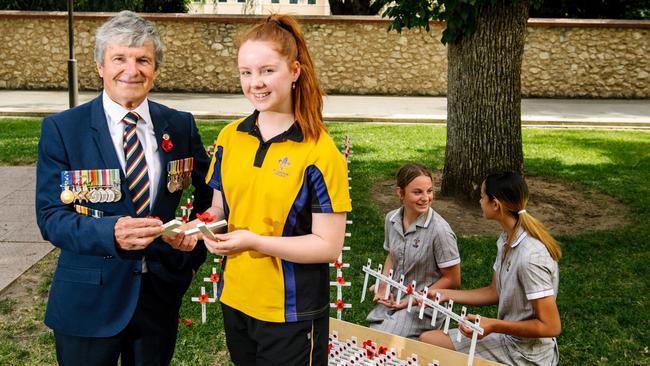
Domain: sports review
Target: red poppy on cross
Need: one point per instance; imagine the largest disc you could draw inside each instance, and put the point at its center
(205, 217)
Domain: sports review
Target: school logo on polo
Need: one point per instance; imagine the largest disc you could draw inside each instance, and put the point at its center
(280, 171)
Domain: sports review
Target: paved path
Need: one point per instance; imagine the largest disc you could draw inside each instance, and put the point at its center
(21, 244)
(604, 113)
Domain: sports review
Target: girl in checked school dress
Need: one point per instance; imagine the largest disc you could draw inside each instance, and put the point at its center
(422, 247)
(524, 284)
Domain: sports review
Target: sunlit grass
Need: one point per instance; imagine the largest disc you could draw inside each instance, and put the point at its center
(603, 298)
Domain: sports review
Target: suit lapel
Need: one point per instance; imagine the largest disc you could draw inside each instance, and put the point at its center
(160, 124)
(104, 143)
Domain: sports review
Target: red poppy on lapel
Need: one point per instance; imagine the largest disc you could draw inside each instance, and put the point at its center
(166, 143)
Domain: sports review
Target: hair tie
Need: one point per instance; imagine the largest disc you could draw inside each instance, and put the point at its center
(521, 211)
(281, 25)
(287, 28)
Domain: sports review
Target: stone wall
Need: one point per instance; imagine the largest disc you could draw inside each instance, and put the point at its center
(353, 55)
(587, 59)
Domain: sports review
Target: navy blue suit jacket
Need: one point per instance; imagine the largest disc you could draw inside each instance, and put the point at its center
(95, 287)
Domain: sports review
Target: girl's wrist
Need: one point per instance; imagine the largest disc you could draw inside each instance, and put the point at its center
(255, 242)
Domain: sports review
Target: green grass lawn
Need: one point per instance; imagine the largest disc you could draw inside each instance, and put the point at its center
(603, 298)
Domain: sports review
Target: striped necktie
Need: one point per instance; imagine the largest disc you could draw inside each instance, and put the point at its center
(136, 166)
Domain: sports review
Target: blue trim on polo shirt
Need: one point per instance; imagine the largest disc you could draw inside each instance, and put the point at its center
(320, 189)
(290, 291)
(290, 298)
(216, 181)
(221, 276)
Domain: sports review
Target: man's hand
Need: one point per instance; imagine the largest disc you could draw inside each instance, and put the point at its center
(181, 241)
(136, 233)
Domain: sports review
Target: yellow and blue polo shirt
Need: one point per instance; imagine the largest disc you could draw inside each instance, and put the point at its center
(272, 188)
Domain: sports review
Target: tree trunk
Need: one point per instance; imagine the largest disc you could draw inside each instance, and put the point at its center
(484, 99)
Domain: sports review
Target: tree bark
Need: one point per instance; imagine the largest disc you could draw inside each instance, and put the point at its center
(484, 99)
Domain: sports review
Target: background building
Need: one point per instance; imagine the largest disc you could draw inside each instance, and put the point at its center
(261, 7)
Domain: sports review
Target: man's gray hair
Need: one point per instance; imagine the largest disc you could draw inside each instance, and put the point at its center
(127, 29)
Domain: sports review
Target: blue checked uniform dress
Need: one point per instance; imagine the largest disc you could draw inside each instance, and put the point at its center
(136, 166)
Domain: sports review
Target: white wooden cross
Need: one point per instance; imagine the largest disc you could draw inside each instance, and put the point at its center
(203, 300)
(214, 278)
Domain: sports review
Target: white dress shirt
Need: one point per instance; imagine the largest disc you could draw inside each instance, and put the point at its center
(146, 135)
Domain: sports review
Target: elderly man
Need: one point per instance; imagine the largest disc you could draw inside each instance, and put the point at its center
(109, 173)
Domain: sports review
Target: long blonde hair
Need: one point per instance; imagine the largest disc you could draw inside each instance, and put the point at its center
(511, 192)
(307, 98)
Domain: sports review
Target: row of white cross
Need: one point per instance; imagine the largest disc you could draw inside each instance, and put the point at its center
(349, 353)
(424, 300)
(340, 281)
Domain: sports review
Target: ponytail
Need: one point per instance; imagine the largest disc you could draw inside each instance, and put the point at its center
(307, 98)
(538, 231)
(511, 192)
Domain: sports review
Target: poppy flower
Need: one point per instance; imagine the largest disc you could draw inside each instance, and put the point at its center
(205, 217)
(370, 354)
(382, 350)
(409, 290)
(203, 299)
(166, 143)
(338, 264)
(214, 277)
(340, 280)
(188, 323)
(340, 305)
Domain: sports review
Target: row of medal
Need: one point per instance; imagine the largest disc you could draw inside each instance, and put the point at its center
(179, 174)
(87, 211)
(96, 186)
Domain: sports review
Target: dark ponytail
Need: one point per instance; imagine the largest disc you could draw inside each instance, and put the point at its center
(510, 190)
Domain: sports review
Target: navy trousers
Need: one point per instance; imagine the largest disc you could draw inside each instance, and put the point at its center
(148, 339)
